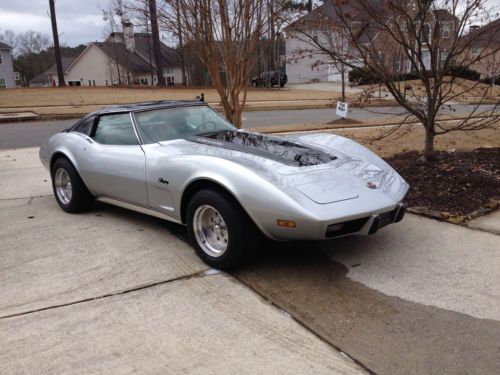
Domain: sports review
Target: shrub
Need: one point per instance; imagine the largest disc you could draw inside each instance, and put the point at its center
(364, 75)
(463, 72)
(489, 80)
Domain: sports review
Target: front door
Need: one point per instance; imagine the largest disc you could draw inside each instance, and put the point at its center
(113, 163)
(426, 59)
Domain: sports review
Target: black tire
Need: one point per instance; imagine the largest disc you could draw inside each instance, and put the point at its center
(81, 199)
(242, 234)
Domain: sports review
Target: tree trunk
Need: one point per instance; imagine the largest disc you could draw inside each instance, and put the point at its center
(57, 51)
(156, 42)
(429, 143)
(181, 45)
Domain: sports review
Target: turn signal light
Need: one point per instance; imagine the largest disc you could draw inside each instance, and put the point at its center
(287, 223)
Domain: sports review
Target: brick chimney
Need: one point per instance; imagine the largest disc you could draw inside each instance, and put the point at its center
(128, 36)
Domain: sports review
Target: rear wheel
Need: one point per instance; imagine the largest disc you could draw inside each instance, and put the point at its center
(69, 190)
(221, 232)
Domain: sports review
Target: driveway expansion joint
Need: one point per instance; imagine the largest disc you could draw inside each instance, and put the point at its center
(201, 273)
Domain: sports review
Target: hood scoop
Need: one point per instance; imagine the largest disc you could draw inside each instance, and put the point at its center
(277, 149)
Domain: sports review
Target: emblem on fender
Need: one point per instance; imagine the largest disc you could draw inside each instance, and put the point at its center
(371, 185)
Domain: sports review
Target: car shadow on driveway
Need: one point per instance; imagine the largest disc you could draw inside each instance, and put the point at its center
(385, 334)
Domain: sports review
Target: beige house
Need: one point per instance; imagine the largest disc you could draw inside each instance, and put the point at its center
(124, 58)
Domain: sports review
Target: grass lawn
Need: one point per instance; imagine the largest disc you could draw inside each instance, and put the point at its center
(411, 137)
(79, 100)
(39, 97)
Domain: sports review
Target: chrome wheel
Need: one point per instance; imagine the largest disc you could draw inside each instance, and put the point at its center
(210, 230)
(63, 187)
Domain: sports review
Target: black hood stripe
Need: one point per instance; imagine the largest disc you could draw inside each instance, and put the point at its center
(277, 149)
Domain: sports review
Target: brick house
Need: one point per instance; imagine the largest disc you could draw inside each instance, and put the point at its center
(485, 48)
(306, 62)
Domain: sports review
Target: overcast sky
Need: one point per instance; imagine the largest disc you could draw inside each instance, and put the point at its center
(78, 21)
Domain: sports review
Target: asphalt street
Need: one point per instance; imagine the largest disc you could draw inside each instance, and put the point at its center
(115, 291)
(30, 134)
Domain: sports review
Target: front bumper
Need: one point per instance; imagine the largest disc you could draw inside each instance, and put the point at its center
(366, 224)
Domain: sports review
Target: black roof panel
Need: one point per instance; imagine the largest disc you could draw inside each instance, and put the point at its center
(136, 107)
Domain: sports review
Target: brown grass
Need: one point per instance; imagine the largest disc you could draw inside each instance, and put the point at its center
(411, 137)
(69, 101)
(473, 89)
(78, 96)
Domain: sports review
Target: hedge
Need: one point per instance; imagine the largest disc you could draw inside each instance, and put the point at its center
(365, 76)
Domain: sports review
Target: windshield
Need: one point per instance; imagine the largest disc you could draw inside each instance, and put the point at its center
(173, 123)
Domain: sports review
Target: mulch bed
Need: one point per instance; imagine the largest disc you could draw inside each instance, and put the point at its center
(455, 183)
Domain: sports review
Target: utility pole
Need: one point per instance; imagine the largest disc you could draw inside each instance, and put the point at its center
(156, 42)
(57, 51)
(181, 45)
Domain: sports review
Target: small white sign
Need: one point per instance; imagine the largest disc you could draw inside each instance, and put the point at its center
(341, 109)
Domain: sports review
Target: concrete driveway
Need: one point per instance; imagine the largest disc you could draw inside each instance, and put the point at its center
(114, 291)
(111, 291)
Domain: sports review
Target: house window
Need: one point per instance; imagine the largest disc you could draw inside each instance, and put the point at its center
(355, 27)
(0, 57)
(446, 31)
(2, 83)
(106, 81)
(475, 52)
(144, 81)
(315, 35)
(399, 63)
(90, 82)
(426, 33)
(18, 76)
(93, 82)
(168, 70)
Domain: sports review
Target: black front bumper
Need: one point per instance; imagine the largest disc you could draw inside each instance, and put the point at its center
(381, 220)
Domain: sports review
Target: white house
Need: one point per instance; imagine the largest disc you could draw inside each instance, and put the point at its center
(123, 58)
(7, 75)
(305, 61)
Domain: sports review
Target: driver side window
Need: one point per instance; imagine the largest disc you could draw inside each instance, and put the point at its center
(115, 130)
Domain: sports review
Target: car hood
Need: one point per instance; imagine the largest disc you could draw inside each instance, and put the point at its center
(325, 168)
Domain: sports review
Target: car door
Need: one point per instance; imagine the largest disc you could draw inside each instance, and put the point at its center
(113, 163)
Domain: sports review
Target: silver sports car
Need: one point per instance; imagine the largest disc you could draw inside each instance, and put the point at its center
(183, 162)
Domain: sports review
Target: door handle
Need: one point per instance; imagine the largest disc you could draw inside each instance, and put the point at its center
(89, 140)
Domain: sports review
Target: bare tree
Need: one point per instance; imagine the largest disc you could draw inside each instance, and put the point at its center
(424, 40)
(225, 35)
(57, 51)
(31, 42)
(10, 38)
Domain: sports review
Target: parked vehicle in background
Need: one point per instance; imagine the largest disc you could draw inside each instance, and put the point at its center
(270, 79)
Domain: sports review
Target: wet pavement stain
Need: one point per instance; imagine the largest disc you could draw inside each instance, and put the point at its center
(388, 335)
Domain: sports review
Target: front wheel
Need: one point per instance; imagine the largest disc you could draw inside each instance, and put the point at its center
(70, 191)
(222, 234)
